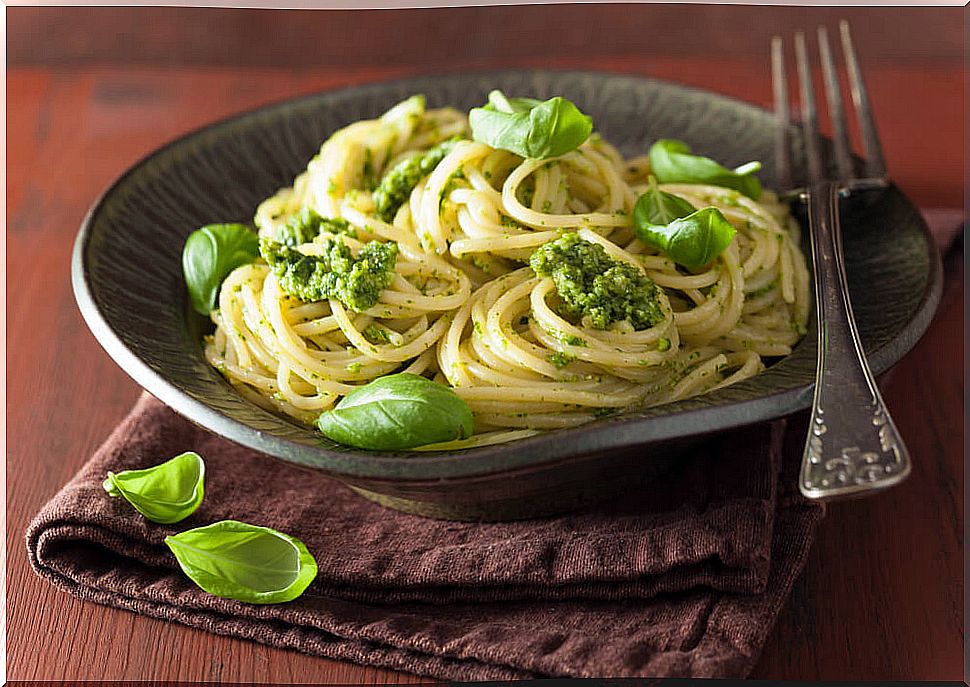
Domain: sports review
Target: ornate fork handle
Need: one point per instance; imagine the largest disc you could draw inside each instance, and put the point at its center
(853, 445)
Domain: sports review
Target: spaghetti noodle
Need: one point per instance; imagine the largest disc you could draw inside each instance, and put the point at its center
(464, 307)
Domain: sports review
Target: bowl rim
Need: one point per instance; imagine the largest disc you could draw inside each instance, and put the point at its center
(482, 461)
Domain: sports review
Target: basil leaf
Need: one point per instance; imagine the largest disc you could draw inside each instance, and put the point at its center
(165, 493)
(672, 162)
(659, 208)
(691, 241)
(398, 412)
(528, 127)
(502, 103)
(236, 560)
(210, 254)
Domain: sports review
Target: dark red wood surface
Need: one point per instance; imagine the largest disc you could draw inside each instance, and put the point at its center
(89, 93)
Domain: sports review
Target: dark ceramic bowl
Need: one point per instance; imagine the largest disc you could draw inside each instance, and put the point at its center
(128, 282)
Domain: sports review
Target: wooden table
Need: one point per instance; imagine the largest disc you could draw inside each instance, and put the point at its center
(882, 595)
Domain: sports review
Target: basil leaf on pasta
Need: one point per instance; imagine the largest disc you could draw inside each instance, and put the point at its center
(210, 254)
(398, 412)
(531, 128)
(672, 162)
(692, 241)
(164, 493)
(236, 560)
(657, 208)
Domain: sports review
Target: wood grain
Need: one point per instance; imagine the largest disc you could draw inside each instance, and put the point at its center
(882, 596)
(187, 36)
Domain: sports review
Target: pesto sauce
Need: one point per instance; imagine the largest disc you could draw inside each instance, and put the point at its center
(368, 179)
(398, 183)
(356, 282)
(560, 359)
(593, 285)
(571, 340)
(605, 412)
(764, 290)
(457, 176)
(307, 224)
(376, 335)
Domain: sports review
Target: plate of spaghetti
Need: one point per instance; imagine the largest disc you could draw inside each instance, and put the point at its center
(486, 295)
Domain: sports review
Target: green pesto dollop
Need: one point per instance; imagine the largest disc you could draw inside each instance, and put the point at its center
(356, 282)
(593, 285)
(398, 183)
(307, 224)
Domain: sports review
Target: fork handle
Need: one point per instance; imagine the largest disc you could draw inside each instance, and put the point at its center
(852, 445)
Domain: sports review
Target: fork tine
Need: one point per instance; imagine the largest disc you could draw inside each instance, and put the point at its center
(779, 84)
(840, 139)
(875, 163)
(809, 119)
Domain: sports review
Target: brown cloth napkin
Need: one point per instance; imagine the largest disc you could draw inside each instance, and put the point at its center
(684, 578)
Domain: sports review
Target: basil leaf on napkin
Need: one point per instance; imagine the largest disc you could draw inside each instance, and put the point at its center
(165, 493)
(398, 412)
(236, 560)
(210, 254)
(672, 162)
(531, 128)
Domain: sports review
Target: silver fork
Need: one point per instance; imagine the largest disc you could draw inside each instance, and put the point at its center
(853, 445)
